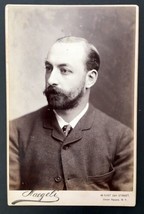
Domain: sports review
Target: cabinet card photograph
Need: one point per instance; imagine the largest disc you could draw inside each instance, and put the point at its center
(71, 104)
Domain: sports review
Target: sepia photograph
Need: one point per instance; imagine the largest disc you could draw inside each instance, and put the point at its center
(71, 104)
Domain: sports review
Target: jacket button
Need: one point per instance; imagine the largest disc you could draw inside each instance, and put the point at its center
(65, 147)
(58, 179)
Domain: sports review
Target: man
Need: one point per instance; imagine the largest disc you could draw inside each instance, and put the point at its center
(69, 144)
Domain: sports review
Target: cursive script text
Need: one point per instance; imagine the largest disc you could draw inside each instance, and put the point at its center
(37, 196)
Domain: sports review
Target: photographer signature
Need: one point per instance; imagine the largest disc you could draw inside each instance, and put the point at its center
(36, 196)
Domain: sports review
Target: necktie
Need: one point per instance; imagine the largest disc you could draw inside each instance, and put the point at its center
(66, 129)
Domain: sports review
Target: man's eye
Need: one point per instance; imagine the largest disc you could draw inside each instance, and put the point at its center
(64, 70)
(48, 68)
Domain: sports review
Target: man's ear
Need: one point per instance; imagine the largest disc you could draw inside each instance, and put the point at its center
(91, 78)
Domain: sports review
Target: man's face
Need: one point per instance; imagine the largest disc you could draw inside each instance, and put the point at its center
(65, 75)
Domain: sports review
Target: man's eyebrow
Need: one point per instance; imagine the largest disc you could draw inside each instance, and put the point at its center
(63, 64)
(47, 63)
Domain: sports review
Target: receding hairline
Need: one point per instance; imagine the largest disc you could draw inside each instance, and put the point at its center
(91, 55)
(73, 39)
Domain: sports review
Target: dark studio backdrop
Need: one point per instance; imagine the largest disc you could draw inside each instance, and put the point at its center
(106, 50)
(32, 31)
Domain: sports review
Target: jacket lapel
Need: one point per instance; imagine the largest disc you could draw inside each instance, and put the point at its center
(50, 122)
(85, 123)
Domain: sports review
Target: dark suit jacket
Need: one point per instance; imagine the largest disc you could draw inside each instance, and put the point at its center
(96, 155)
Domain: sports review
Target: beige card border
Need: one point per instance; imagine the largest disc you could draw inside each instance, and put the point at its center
(64, 198)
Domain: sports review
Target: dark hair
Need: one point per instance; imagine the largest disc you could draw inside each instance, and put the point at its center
(92, 59)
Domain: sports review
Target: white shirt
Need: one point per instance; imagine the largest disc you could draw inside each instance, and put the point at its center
(73, 123)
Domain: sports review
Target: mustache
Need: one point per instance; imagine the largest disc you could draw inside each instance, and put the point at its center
(52, 90)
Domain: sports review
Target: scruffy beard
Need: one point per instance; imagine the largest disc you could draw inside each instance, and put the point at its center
(60, 100)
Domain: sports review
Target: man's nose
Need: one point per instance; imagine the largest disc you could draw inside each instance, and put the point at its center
(52, 79)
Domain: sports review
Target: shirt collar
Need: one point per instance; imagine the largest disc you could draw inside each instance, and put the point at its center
(73, 123)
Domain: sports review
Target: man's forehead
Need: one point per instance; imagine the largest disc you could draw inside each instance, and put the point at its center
(75, 50)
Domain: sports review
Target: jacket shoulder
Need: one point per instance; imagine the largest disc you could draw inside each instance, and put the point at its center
(109, 123)
(29, 118)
